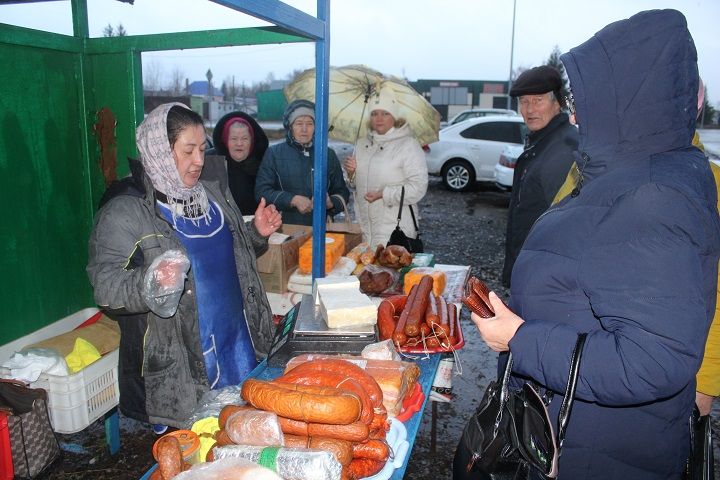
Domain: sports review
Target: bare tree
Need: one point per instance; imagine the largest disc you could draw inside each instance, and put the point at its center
(554, 61)
(177, 81)
(293, 75)
(231, 89)
(152, 74)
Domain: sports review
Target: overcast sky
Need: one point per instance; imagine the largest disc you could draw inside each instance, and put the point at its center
(428, 39)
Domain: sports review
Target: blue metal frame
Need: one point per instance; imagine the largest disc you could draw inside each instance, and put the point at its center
(322, 79)
(318, 29)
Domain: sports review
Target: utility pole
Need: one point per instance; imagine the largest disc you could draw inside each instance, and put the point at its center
(512, 51)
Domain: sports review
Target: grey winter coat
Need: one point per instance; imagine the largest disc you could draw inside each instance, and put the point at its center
(162, 374)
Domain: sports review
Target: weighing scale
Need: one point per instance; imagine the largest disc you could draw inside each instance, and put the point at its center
(304, 330)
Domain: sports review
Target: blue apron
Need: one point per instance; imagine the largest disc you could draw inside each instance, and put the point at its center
(224, 335)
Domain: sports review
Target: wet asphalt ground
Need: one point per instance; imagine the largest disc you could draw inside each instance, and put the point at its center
(460, 228)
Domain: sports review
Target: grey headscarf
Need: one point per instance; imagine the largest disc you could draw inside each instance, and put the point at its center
(159, 164)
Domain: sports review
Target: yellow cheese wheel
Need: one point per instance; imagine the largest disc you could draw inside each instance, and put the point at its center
(413, 278)
(334, 248)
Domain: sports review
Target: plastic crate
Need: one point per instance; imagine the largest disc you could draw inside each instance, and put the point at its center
(76, 401)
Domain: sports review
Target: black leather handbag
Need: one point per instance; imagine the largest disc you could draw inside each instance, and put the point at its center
(398, 237)
(511, 434)
(701, 464)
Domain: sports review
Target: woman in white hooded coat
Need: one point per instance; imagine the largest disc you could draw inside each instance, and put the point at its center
(389, 159)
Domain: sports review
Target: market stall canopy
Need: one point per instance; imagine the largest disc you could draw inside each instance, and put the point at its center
(350, 89)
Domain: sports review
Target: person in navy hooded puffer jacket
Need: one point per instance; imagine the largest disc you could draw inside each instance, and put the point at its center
(630, 257)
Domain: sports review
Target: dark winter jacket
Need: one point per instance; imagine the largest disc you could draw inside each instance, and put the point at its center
(631, 259)
(287, 170)
(161, 370)
(539, 172)
(241, 175)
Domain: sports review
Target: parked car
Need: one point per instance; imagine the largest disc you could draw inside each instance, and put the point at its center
(476, 112)
(505, 168)
(468, 151)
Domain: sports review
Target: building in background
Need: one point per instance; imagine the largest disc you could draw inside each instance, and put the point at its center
(450, 97)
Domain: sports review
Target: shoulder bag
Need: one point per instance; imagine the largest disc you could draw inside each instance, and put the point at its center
(701, 464)
(511, 434)
(398, 237)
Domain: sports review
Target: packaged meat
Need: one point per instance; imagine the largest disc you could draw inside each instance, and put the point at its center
(228, 469)
(290, 463)
(254, 427)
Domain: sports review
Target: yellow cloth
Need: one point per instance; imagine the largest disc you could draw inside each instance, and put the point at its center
(708, 377)
(205, 428)
(83, 354)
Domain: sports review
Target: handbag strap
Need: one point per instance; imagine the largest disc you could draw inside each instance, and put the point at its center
(345, 207)
(568, 401)
(402, 199)
(412, 212)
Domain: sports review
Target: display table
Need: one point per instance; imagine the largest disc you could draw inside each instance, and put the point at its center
(428, 366)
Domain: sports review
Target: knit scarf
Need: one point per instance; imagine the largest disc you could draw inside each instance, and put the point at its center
(159, 164)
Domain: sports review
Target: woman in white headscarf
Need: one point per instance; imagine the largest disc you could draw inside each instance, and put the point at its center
(172, 260)
(389, 160)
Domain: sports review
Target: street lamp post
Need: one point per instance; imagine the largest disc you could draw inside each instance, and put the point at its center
(512, 50)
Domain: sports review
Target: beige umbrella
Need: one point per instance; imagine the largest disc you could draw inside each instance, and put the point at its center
(351, 87)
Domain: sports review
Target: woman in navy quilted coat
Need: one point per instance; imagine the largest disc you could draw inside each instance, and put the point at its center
(630, 257)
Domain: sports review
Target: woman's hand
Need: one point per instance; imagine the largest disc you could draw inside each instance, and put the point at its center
(301, 204)
(267, 219)
(500, 329)
(350, 165)
(373, 195)
(704, 403)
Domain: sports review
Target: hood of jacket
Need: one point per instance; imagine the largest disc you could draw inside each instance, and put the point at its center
(639, 79)
(286, 123)
(260, 140)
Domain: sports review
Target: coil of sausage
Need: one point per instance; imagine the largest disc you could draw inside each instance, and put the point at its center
(340, 407)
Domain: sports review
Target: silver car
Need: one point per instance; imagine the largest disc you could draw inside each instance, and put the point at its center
(468, 151)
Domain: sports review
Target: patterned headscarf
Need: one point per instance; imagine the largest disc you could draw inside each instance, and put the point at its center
(157, 159)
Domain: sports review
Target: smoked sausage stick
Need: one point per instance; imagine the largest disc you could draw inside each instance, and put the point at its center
(399, 336)
(385, 320)
(417, 305)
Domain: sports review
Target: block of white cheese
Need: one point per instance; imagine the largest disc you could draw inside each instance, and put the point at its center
(345, 306)
(328, 284)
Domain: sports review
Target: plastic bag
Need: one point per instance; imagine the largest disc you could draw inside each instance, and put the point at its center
(164, 282)
(213, 401)
(255, 427)
(228, 469)
(290, 463)
(384, 350)
(375, 279)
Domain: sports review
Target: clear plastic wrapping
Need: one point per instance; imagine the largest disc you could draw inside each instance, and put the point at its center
(254, 427)
(213, 401)
(164, 282)
(290, 463)
(228, 469)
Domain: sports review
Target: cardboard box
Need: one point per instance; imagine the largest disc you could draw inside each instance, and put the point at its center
(277, 264)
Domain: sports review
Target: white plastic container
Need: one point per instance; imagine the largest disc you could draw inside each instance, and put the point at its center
(74, 401)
